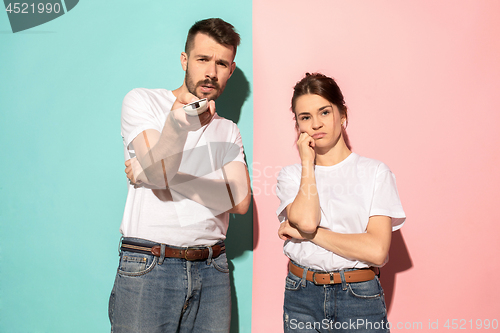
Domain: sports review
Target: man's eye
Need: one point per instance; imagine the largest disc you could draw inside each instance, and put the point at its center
(222, 64)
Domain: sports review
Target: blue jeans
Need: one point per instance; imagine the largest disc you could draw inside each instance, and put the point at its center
(344, 307)
(174, 296)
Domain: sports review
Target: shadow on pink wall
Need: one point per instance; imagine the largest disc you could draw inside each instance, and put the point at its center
(399, 261)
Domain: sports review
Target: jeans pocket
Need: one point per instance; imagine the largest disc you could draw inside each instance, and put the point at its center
(135, 264)
(221, 264)
(292, 282)
(367, 289)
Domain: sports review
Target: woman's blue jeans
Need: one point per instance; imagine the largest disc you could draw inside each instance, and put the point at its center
(344, 307)
(175, 295)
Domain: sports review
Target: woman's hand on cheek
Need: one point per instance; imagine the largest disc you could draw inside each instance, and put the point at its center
(306, 148)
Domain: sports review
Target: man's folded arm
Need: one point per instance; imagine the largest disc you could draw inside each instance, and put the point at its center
(230, 194)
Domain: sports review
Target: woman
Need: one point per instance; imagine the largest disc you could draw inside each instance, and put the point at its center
(337, 212)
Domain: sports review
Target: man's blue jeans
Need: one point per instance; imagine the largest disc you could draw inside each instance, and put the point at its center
(344, 307)
(174, 296)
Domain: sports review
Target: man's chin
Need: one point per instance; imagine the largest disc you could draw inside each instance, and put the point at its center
(210, 96)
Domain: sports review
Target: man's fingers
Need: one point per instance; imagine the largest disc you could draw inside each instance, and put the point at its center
(211, 107)
(130, 176)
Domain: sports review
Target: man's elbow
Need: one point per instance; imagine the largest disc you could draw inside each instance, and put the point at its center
(242, 207)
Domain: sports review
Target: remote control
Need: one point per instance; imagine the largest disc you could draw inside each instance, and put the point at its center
(196, 108)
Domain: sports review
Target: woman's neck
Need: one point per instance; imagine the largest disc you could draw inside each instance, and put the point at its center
(334, 155)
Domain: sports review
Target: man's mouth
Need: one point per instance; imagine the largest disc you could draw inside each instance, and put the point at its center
(208, 86)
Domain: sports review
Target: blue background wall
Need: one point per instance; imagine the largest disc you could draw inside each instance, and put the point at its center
(62, 187)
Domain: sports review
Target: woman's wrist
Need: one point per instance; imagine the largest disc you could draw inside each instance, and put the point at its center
(307, 163)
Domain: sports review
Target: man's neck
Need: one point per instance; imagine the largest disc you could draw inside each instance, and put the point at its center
(181, 90)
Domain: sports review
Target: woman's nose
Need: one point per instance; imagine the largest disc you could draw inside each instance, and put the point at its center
(316, 124)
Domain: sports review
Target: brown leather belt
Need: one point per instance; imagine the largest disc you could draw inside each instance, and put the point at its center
(190, 254)
(359, 275)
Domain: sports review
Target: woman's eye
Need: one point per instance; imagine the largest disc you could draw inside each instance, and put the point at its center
(304, 118)
(325, 113)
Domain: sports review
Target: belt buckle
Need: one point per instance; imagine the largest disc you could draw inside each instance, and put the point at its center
(186, 254)
(332, 280)
(314, 279)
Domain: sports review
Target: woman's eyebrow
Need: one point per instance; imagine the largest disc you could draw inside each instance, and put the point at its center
(324, 107)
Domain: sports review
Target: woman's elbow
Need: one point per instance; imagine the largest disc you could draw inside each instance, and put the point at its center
(306, 226)
(379, 256)
(309, 228)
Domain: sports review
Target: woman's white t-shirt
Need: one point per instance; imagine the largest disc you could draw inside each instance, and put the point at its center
(349, 193)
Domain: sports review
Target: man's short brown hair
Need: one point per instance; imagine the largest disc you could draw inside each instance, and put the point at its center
(216, 28)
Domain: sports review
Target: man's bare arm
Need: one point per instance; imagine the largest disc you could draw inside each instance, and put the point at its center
(230, 194)
(160, 154)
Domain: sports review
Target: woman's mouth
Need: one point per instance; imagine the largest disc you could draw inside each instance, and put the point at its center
(318, 135)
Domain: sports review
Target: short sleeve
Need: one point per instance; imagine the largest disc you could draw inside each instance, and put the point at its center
(386, 199)
(228, 147)
(287, 189)
(136, 116)
(235, 151)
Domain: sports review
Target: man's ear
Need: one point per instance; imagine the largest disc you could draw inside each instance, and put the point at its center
(233, 67)
(184, 61)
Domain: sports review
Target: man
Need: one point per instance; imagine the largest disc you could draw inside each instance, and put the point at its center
(187, 174)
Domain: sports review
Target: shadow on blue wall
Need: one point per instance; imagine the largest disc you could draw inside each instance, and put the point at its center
(239, 236)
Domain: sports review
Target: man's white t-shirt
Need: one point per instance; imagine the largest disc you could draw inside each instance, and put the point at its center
(349, 193)
(154, 215)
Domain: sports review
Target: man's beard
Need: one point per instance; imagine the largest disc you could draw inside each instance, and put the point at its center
(191, 87)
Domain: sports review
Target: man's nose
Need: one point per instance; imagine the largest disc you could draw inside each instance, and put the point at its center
(211, 71)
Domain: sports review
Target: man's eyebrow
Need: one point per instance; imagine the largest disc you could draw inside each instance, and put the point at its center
(222, 61)
(205, 56)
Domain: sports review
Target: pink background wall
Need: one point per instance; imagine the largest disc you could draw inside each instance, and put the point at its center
(421, 80)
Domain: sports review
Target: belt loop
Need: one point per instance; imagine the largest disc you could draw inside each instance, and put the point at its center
(120, 246)
(162, 254)
(210, 254)
(304, 277)
(342, 277)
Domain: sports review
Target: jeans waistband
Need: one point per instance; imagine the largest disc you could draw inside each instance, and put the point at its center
(166, 251)
(148, 243)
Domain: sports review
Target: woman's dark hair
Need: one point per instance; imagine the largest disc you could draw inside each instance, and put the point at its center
(326, 87)
(216, 28)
